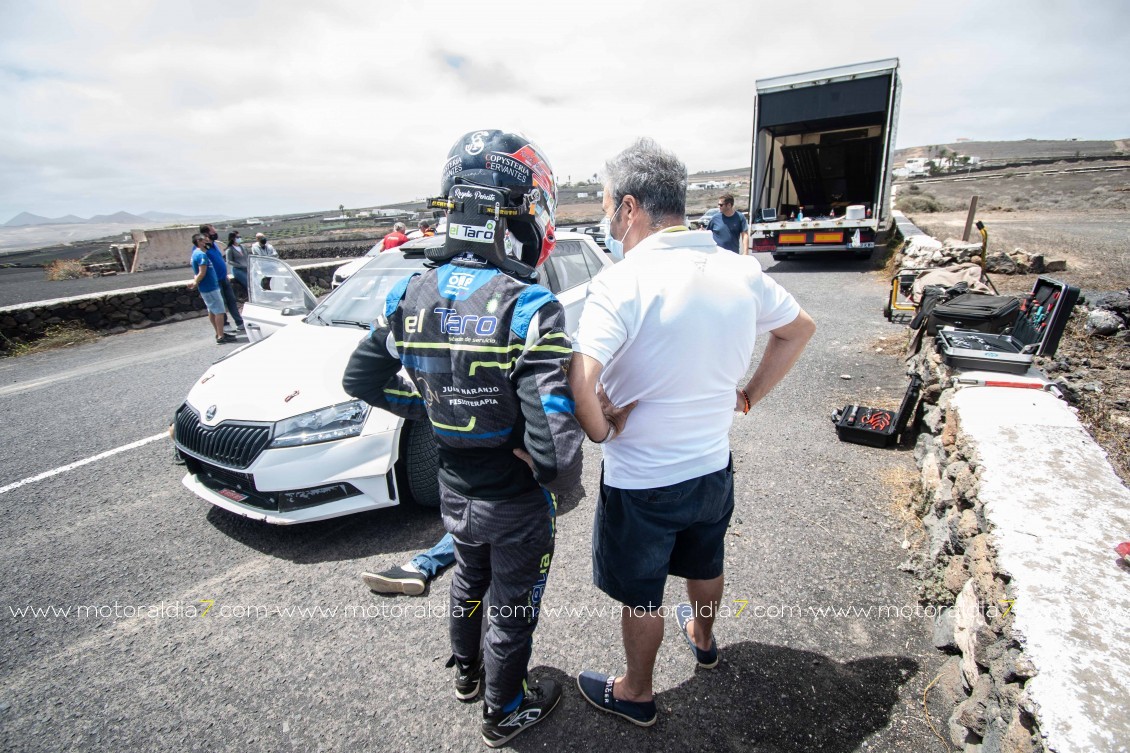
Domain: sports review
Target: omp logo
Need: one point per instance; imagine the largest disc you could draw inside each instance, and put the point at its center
(451, 323)
(476, 146)
(460, 281)
(472, 233)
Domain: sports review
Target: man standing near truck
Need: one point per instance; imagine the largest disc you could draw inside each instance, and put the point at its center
(730, 228)
(667, 484)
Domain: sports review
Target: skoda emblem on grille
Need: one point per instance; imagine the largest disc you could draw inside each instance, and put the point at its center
(210, 414)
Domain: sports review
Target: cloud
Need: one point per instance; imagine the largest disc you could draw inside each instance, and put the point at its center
(255, 107)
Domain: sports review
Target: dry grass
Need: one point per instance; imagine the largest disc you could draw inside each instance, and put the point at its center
(57, 336)
(65, 269)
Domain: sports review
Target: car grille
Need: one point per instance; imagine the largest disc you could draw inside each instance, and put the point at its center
(222, 480)
(235, 445)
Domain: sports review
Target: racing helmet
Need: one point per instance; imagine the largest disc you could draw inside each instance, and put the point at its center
(498, 187)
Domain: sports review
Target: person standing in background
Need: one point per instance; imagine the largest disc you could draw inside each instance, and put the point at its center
(237, 258)
(730, 228)
(216, 256)
(262, 248)
(396, 237)
(206, 281)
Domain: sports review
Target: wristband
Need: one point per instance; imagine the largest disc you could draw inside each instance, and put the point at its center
(609, 435)
(748, 405)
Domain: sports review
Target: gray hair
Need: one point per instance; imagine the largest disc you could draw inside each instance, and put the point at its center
(399, 227)
(654, 176)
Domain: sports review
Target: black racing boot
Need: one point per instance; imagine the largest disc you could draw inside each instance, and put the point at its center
(539, 700)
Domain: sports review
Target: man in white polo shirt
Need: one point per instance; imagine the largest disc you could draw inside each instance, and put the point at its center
(668, 333)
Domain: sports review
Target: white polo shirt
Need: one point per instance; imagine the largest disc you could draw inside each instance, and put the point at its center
(674, 325)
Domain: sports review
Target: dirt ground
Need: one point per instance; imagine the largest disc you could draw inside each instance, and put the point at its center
(1085, 219)
(1082, 217)
(1092, 241)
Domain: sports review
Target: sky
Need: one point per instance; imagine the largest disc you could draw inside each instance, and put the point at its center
(243, 108)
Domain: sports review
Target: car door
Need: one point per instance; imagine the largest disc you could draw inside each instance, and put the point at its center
(570, 269)
(276, 297)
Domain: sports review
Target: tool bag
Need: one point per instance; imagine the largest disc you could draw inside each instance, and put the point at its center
(978, 312)
(878, 427)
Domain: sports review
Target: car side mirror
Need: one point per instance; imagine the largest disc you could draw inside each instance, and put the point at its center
(295, 311)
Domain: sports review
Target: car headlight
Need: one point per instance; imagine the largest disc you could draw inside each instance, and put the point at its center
(322, 425)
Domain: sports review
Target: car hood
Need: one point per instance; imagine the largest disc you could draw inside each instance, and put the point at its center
(296, 370)
(348, 270)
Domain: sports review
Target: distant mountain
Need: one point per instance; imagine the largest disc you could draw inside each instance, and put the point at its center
(120, 218)
(27, 218)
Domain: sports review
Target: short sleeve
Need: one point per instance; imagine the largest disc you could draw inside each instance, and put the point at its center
(776, 306)
(603, 328)
(745, 223)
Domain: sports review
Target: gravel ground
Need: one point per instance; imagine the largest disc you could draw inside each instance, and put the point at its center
(817, 527)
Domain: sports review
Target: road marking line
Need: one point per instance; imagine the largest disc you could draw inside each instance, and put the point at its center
(84, 461)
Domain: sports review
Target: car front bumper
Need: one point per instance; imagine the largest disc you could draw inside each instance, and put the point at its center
(289, 485)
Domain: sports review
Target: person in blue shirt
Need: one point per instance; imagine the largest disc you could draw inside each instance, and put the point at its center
(730, 228)
(207, 282)
(221, 266)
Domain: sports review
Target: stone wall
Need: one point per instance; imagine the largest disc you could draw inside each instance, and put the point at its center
(163, 248)
(1019, 507)
(925, 251)
(979, 696)
(119, 311)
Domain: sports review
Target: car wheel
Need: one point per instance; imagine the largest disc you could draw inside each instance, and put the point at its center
(420, 467)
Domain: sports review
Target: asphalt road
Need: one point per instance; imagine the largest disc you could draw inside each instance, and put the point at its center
(814, 529)
(27, 284)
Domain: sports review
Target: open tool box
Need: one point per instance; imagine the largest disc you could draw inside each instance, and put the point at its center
(877, 427)
(1038, 328)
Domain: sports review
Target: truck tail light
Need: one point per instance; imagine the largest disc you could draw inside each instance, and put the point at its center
(768, 243)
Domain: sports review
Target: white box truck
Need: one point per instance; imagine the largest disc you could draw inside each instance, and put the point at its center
(821, 171)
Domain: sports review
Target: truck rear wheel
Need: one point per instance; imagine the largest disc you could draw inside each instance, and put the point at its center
(779, 256)
(418, 469)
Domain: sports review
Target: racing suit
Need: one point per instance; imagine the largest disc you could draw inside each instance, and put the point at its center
(485, 354)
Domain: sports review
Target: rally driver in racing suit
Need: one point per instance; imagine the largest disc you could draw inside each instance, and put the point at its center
(485, 351)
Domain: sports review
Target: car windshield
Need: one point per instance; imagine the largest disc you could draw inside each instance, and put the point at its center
(362, 297)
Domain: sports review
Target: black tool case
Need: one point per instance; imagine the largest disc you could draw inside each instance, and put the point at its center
(977, 312)
(1037, 331)
(878, 427)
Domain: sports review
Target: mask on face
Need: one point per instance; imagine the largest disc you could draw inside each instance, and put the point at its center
(213, 235)
(616, 247)
(238, 240)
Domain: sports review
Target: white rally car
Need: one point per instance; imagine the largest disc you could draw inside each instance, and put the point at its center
(267, 431)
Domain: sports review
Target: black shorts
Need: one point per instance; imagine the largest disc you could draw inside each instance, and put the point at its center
(643, 535)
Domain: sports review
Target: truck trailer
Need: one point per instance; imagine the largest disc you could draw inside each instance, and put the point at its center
(821, 170)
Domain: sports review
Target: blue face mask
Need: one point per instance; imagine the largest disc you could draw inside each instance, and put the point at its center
(616, 247)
